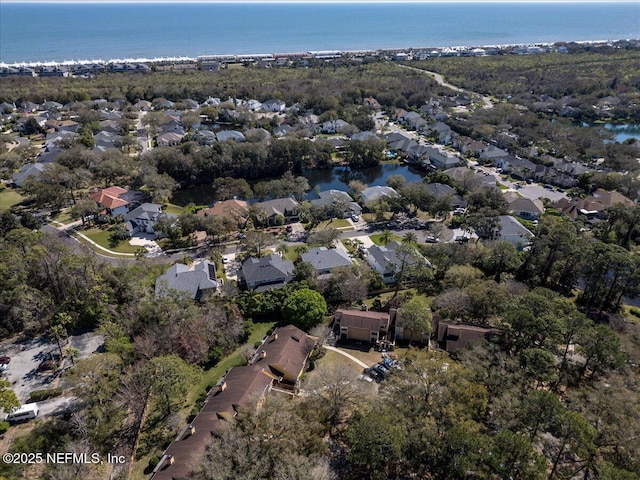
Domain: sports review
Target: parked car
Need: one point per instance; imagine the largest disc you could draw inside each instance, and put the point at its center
(372, 373)
(430, 239)
(355, 218)
(381, 369)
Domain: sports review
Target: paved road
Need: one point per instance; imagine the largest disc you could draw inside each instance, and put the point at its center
(440, 79)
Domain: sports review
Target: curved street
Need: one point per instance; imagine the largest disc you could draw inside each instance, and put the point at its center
(441, 81)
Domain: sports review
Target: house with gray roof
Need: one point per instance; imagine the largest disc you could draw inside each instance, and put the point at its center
(333, 126)
(143, 218)
(516, 166)
(274, 105)
(286, 207)
(194, 280)
(30, 170)
(329, 198)
(325, 260)
(227, 135)
(386, 260)
(266, 272)
(525, 207)
(441, 158)
(440, 190)
(372, 194)
(512, 231)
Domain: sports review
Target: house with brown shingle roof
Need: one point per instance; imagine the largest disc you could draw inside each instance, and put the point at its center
(363, 325)
(592, 205)
(456, 336)
(279, 361)
(115, 200)
(234, 209)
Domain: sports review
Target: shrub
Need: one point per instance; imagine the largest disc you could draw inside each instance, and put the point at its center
(635, 312)
(4, 426)
(40, 395)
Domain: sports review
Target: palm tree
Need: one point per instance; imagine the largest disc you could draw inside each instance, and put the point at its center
(410, 238)
(386, 237)
(281, 249)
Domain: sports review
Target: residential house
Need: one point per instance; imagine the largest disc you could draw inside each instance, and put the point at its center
(274, 105)
(325, 260)
(452, 337)
(442, 159)
(593, 205)
(287, 208)
(371, 194)
(441, 190)
(363, 136)
(442, 131)
(143, 218)
(387, 261)
(193, 281)
(490, 153)
(512, 231)
(469, 179)
(115, 200)
(234, 209)
(515, 166)
(333, 126)
(30, 170)
(169, 139)
(143, 106)
(230, 135)
(267, 272)
(279, 361)
(363, 325)
(206, 137)
(525, 207)
(329, 198)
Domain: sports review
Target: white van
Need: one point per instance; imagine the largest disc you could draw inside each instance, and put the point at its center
(25, 412)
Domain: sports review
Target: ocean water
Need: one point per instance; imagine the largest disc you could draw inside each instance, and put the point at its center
(31, 32)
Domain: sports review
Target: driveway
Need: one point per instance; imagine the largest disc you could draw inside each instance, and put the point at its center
(146, 240)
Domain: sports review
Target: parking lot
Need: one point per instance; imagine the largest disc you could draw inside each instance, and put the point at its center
(27, 355)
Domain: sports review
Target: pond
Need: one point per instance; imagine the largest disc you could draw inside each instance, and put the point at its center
(336, 178)
(621, 131)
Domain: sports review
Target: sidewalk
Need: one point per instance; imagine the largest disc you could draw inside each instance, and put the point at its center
(71, 226)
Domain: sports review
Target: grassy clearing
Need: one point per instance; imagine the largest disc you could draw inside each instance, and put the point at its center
(175, 209)
(424, 300)
(9, 197)
(101, 237)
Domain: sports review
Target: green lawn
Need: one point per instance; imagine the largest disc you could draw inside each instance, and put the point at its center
(9, 197)
(175, 209)
(341, 223)
(377, 238)
(101, 237)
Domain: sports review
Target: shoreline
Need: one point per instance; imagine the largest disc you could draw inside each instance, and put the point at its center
(308, 54)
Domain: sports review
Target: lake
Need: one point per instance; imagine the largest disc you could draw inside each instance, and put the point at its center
(621, 131)
(336, 178)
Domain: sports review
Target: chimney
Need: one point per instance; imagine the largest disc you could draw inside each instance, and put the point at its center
(275, 336)
(171, 459)
(191, 429)
(364, 308)
(263, 354)
(223, 386)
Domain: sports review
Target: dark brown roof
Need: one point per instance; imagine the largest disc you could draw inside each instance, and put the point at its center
(455, 336)
(286, 349)
(362, 319)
